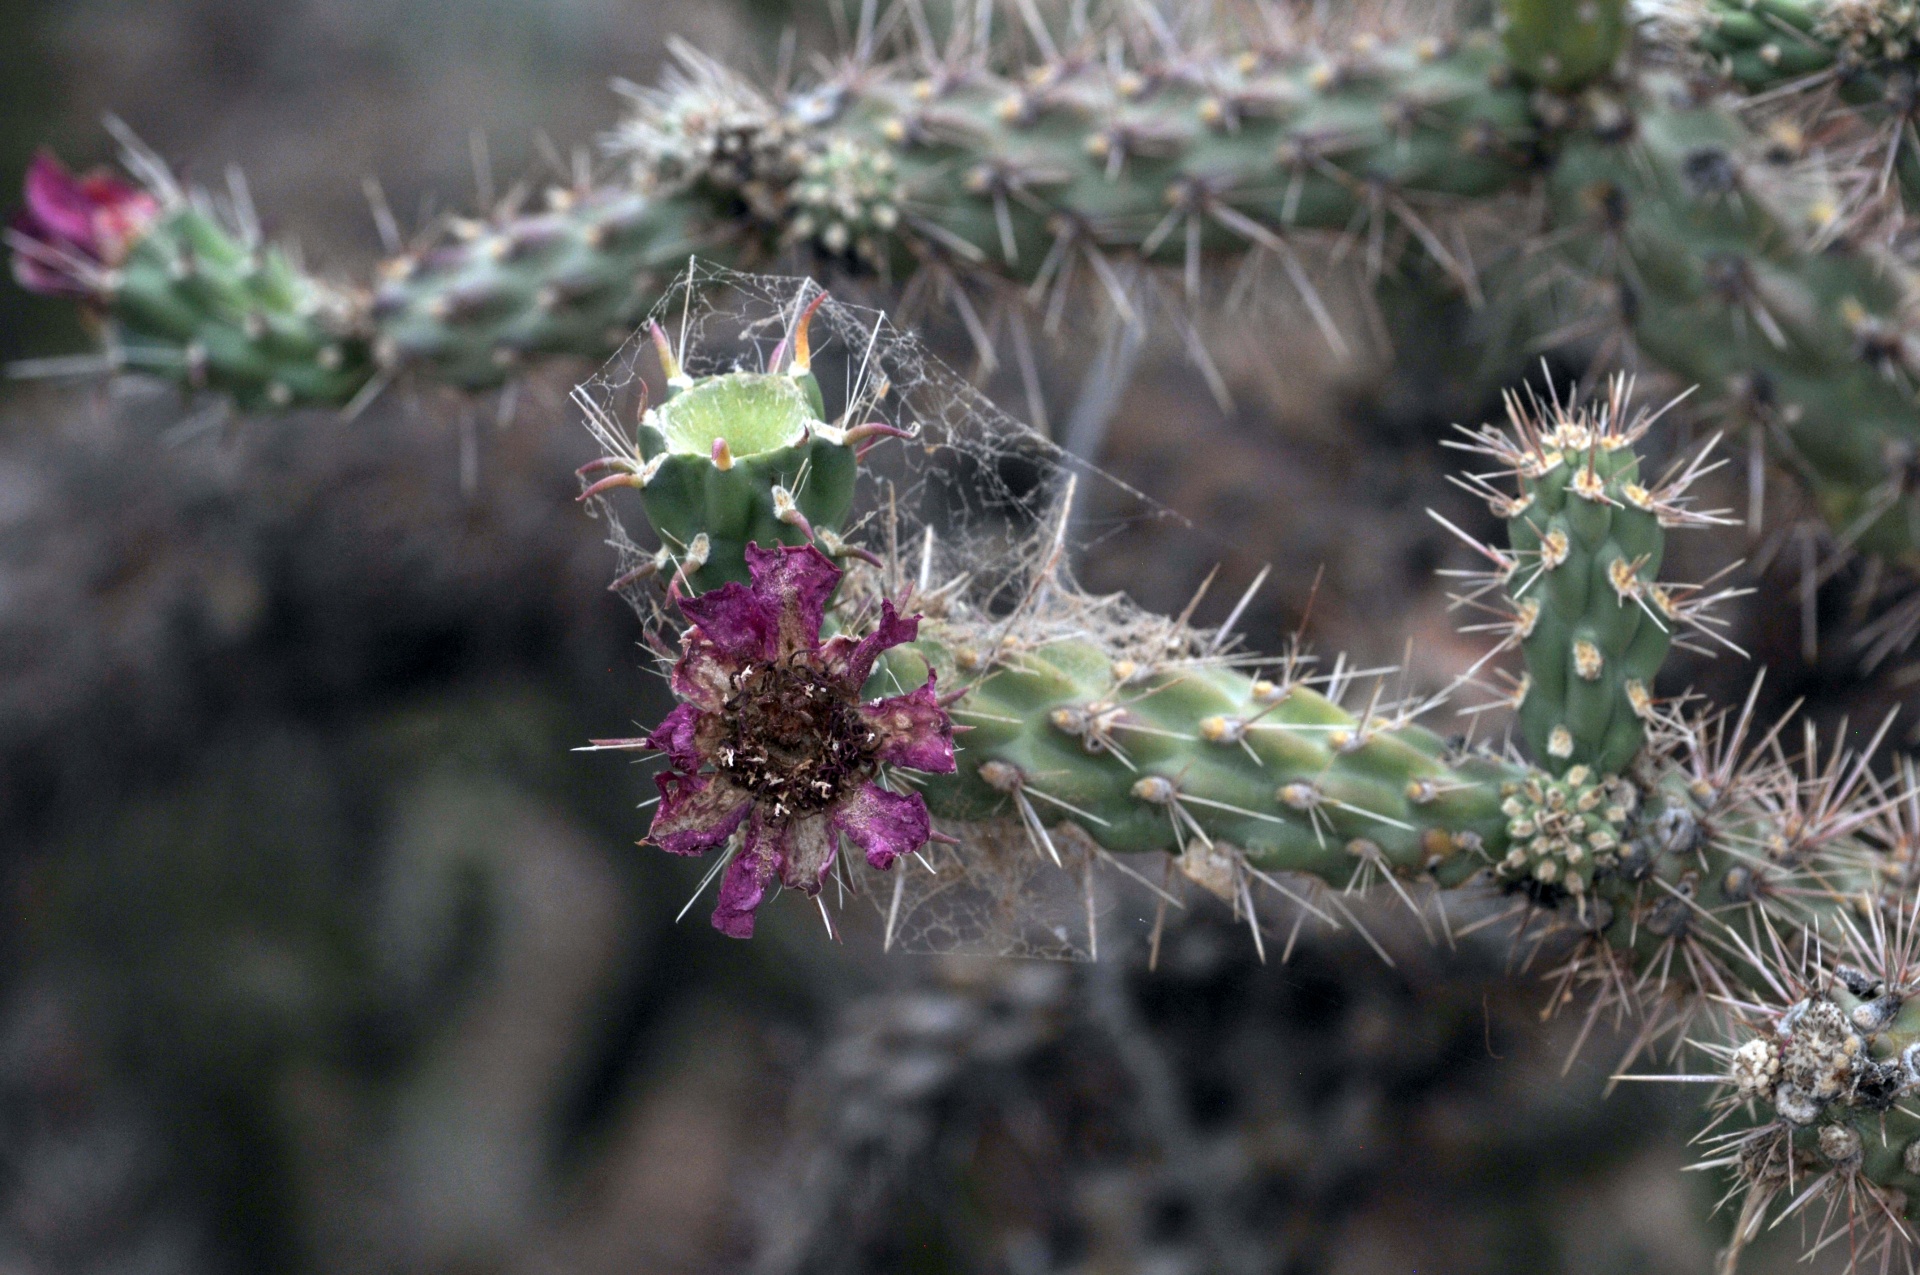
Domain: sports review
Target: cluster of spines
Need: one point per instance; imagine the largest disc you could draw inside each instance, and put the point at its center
(1818, 1077)
(1563, 830)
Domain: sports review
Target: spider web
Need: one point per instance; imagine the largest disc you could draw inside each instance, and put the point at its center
(976, 507)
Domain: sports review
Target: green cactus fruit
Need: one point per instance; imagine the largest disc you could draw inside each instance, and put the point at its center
(196, 304)
(1564, 45)
(736, 459)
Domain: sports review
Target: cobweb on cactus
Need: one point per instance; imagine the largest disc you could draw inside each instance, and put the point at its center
(974, 518)
(956, 507)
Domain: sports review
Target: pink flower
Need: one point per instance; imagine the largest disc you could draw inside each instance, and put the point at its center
(771, 733)
(74, 228)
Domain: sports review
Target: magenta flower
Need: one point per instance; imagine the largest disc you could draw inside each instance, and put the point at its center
(75, 228)
(772, 733)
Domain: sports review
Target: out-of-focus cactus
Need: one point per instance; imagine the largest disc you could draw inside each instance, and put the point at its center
(1839, 71)
(1067, 168)
(1564, 47)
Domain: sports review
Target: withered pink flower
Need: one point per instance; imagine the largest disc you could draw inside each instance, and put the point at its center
(771, 733)
(74, 228)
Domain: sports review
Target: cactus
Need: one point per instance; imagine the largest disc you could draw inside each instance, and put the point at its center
(1841, 70)
(1585, 544)
(1732, 286)
(1660, 846)
(736, 459)
(1560, 47)
(1071, 171)
(1763, 45)
(1689, 874)
(1038, 174)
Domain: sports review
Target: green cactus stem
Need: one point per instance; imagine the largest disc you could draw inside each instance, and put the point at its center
(1146, 758)
(1058, 175)
(1564, 45)
(197, 304)
(1035, 178)
(1595, 623)
(572, 280)
(1735, 286)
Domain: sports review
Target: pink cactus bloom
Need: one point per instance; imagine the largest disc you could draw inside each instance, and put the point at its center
(771, 733)
(74, 228)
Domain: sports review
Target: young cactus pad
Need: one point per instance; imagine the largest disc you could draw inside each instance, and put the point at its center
(1586, 537)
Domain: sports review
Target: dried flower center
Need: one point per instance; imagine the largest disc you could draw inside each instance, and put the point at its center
(794, 739)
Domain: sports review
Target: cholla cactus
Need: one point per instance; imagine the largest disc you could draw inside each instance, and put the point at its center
(1836, 76)
(1080, 158)
(1693, 878)
(1683, 873)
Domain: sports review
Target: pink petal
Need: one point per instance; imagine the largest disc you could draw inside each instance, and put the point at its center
(914, 730)
(743, 887)
(704, 674)
(122, 214)
(675, 737)
(696, 812)
(737, 620)
(57, 205)
(853, 661)
(806, 852)
(797, 580)
(884, 824)
(77, 220)
(39, 277)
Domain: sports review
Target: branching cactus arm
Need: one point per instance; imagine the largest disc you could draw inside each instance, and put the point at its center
(1149, 739)
(1046, 170)
(1685, 868)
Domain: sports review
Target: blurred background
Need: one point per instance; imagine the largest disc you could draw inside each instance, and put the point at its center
(320, 952)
